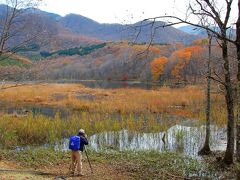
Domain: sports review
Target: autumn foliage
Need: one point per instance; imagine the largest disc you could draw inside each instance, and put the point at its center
(178, 64)
(183, 57)
(157, 67)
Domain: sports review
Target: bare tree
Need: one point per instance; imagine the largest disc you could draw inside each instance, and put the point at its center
(207, 10)
(237, 43)
(206, 148)
(14, 26)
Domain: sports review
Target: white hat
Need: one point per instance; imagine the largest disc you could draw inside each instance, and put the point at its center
(81, 131)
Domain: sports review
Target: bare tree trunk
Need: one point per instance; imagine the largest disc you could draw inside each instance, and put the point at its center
(206, 148)
(238, 86)
(228, 158)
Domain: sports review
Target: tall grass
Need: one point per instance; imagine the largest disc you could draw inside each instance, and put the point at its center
(187, 101)
(125, 100)
(39, 129)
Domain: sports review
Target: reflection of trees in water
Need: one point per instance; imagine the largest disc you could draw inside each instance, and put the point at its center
(116, 139)
(179, 135)
(183, 139)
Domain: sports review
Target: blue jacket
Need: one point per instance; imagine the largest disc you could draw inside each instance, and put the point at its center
(83, 141)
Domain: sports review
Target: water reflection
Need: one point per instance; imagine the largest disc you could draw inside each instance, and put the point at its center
(49, 111)
(113, 84)
(179, 138)
(104, 84)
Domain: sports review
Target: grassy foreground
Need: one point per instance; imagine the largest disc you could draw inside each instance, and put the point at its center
(144, 165)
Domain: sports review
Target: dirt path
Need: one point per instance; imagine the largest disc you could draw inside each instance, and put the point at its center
(101, 171)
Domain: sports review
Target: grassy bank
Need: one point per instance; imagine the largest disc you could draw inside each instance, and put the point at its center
(144, 165)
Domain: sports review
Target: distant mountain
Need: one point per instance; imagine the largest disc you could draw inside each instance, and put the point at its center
(201, 32)
(48, 33)
(82, 25)
(118, 32)
(49, 14)
(75, 30)
(192, 30)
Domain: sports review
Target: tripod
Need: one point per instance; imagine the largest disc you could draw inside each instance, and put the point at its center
(88, 160)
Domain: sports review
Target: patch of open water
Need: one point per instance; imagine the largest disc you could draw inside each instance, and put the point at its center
(179, 138)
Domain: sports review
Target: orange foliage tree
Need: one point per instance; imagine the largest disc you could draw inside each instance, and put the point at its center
(183, 57)
(157, 67)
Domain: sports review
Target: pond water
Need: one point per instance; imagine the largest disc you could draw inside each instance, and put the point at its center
(179, 138)
(104, 84)
(11, 108)
(113, 84)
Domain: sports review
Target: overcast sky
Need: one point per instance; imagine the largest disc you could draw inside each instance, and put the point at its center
(113, 11)
(118, 11)
(122, 11)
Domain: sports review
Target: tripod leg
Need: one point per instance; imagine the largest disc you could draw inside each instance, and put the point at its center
(88, 161)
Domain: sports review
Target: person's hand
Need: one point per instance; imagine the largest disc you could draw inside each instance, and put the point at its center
(84, 135)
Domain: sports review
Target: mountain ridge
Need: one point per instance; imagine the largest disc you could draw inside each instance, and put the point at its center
(202, 33)
(118, 32)
(74, 29)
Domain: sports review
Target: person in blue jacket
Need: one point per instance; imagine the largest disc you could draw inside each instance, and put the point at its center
(77, 155)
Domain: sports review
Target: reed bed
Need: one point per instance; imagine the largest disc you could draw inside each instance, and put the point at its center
(39, 129)
(188, 101)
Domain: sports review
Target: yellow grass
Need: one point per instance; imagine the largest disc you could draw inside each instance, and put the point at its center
(124, 100)
(39, 93)
(188, 101)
